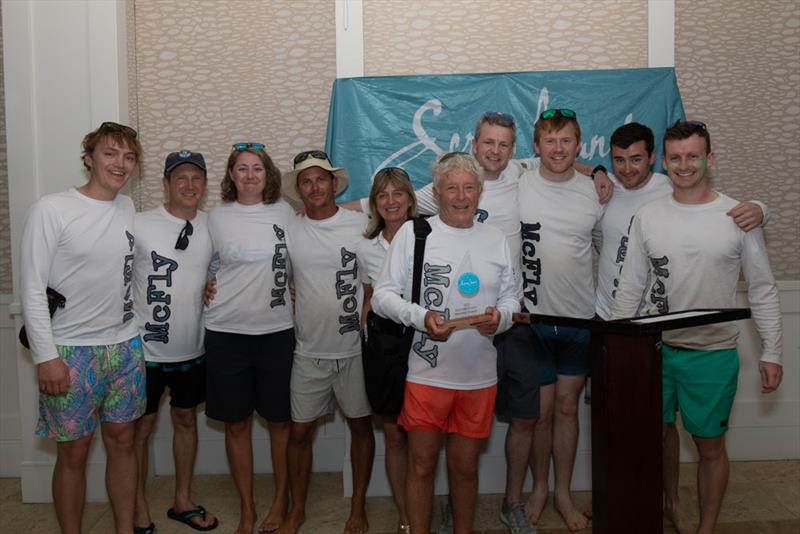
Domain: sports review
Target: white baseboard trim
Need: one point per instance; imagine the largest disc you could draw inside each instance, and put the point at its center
(10, 454)
(211, 455)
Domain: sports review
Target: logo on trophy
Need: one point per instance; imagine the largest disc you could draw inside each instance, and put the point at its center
(466, 301)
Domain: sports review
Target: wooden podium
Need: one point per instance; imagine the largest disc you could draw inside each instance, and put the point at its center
(626, 415)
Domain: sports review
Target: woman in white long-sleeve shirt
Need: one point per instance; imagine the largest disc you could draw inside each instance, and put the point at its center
(249, 324)
(392, 202)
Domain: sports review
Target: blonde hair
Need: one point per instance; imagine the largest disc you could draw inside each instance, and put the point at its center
(383, 178)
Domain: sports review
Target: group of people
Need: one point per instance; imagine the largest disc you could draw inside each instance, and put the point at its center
(256, 308)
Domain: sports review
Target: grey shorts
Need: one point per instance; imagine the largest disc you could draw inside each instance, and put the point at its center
(317, 384)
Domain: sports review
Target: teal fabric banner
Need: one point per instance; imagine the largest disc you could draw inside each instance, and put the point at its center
(408, 121)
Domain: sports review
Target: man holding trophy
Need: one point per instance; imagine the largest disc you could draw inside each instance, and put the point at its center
(468, 294)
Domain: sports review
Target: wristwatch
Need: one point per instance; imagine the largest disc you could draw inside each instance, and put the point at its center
(597, 169)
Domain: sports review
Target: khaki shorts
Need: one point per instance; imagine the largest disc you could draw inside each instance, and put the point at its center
(316, 383)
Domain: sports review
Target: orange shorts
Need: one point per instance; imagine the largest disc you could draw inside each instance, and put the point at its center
(467, 412)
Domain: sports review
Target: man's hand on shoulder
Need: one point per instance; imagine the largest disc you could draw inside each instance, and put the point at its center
(771, 376)
(604, 186)
(434, 325)
(53, 377)
(747, 215)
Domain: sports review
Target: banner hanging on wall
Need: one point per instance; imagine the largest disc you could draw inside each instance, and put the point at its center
(408, 121)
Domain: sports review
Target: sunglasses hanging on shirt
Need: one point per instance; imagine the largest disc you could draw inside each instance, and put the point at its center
(183, 237)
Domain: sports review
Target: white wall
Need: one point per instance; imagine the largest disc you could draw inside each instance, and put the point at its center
(65, 68)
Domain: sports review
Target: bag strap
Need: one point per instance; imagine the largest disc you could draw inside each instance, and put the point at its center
(421, 231)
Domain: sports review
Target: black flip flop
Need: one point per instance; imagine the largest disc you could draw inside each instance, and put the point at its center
(186, 518)
(149, 529)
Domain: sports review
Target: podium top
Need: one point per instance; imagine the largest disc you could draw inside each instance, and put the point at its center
(642, 326)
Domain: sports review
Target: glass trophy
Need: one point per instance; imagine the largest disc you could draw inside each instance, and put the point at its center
(466, 300)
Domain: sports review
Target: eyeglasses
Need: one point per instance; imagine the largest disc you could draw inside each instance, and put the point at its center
(552, 112)
(496, 115)
(183, 237)
(242, 146)
(118, 128)
(316, 154)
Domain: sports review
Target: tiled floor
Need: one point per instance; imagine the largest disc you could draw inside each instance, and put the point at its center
(762, 498)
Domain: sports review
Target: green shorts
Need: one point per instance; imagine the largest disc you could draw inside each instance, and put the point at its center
(701, 384)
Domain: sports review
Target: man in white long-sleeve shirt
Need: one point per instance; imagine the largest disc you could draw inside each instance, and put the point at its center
(88, 355)
(173, 250)
(635, 184)
(684, 252)
(559, 214)
(327, 359)
(452, 376)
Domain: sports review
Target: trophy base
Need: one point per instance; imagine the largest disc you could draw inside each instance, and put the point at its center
(469, 320)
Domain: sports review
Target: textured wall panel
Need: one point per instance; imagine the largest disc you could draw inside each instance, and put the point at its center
(210, 73)
(434, 36)
(738, 66)
(6, 284)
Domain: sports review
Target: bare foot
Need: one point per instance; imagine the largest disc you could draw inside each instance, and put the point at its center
(292, 523)
(274, 518)
(535, 504)
(357, 522)
(588, 513)
(245, 527)
(247, 519)
(678, 520)
(574, 519)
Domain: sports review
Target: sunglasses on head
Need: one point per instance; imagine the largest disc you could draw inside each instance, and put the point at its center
(496, 115)
(316, 154)
(183, 237)
(118, 128)
(398, 170)
(552, 112)
(695, 124)
(451, 155)
(242, 146)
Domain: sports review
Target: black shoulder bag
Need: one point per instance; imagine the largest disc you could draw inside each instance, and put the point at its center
(55, 300)
(385, 350)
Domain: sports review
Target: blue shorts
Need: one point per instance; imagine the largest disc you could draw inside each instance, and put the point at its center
(560, 350)
(517, 374)
(106, 383)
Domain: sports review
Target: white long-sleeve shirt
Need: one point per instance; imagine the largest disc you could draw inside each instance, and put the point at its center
(327, 284)
(614, 227)
(83, 248)
(468, 359)
(558, 223)
(253, 268)
(686, 256)
(169, 284)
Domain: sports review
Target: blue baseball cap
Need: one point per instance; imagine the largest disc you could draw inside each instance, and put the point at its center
(184, 156)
